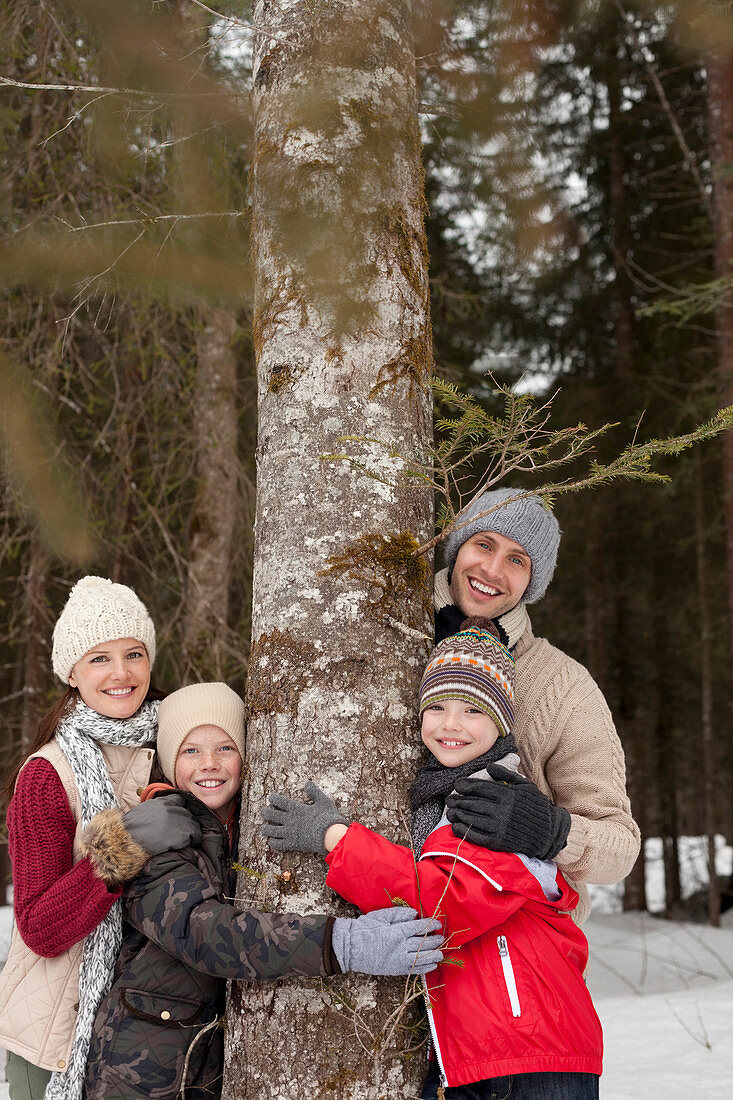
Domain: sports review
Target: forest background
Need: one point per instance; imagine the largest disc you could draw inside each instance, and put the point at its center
(579, 185)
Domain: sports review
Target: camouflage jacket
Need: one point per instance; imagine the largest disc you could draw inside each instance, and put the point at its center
(159, 1029)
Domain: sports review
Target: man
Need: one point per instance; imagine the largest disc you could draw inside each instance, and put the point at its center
(575, 810)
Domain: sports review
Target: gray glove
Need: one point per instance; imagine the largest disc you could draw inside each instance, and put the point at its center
(162, 825)
(292, 826)
(387, 941)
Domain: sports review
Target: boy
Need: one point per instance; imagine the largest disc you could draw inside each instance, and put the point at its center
(157, 1032)
(514, 1016)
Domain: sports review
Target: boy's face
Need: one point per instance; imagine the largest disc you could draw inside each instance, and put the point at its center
(456, 732)
(208, 766)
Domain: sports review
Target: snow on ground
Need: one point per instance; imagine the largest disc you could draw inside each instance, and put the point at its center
(663, 991)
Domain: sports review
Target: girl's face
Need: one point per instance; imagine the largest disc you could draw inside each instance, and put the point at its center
(208, 766)
(113, 678)
(456, 732)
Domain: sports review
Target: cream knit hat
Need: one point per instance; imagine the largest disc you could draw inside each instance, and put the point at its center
(192, 706)
(97, 611)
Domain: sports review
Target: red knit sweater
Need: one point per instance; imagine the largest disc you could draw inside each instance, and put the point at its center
(56, 902)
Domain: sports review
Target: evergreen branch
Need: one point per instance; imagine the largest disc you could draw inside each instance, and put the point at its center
(691, 300)
(520, 441)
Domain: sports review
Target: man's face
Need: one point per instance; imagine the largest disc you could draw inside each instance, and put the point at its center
(491, 575)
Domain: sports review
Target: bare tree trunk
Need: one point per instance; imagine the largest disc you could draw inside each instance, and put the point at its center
(720, 121)
(596, 589)
(215, 515)
(664, 741)
(709, 766)
(37, 626)
(619, 204)
(343, 343)
(671, 861)
(635, 737)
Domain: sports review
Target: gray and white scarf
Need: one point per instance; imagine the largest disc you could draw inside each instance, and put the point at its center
(77, 736)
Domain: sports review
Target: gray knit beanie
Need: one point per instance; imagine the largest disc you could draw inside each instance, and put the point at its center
(197, 705)
(98, 610)
(524, 521)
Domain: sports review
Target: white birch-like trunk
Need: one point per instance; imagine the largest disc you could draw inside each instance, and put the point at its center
(343, 346)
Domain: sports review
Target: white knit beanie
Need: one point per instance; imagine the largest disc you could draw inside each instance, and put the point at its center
(192, 706)
(97, 611)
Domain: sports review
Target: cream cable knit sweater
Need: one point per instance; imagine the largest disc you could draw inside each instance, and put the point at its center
(569, 747)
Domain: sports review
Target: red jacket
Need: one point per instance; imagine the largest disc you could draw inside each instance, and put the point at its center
(518, 1003)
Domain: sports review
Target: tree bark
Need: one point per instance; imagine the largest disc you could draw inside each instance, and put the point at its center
(709, 765)
(215, 515)
(37, 625)
(720, 122)
(623, 312)
(343, 349)
(217, 510)
(665, 744)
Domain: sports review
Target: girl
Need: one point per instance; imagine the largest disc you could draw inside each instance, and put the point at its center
(156, 1032)
(89, 761)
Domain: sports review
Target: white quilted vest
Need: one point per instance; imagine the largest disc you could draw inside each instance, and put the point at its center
(39, 997)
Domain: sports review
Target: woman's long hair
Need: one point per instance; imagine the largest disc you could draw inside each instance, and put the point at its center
(46, 730)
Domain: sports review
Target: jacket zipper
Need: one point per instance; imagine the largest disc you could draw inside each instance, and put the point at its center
(510, 980)
(434, 1039)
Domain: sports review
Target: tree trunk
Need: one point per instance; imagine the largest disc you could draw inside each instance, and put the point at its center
(37, 625)
(665, 747)
(215, 514)
(623, 311)
(720, 121)
(596, 589)
(708, 762)
(343, 349)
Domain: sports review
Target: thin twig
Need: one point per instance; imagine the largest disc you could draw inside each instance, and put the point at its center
(687, 153)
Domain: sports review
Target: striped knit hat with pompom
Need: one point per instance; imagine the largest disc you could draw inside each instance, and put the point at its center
(474, 666)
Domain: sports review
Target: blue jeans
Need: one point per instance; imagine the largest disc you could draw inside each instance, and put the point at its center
(520, 1086)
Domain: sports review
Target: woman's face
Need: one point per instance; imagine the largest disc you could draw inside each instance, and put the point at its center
(208, 766)
(113, 678)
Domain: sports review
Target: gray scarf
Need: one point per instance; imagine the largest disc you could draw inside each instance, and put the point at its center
(434, 782)
(77, 736)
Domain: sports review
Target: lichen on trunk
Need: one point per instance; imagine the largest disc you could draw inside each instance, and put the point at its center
(341, 304)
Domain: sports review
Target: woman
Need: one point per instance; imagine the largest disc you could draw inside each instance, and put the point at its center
(91, 757)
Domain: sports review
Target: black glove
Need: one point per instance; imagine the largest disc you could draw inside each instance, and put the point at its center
(162, 825)
(508, 813)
